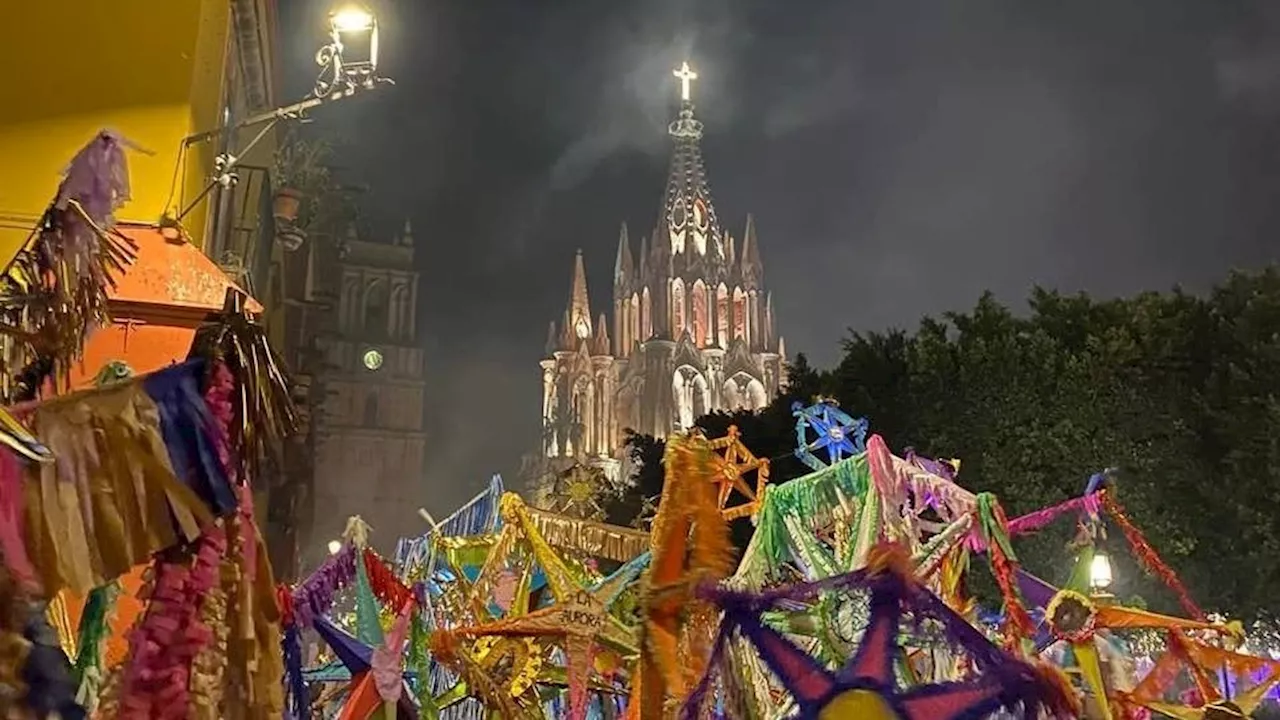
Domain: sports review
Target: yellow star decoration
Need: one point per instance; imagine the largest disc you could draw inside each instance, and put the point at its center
(578, 621)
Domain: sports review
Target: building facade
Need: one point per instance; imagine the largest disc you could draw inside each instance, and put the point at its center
(692, 328)
(369, 437)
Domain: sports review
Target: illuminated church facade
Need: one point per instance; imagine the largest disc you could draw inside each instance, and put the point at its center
(692, 328)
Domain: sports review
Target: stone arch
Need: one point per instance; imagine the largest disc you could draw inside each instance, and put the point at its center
(581, 411)
(400, 310)
(633, 320)
(743, 392)
(739, 314)
(677, 308)
(350, 302)
(376, 307)
(692, 397)
(722, 315)
(701, 316)
(646, 315)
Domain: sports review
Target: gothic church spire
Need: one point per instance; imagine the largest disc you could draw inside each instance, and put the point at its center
(688, 219)
(579, 312)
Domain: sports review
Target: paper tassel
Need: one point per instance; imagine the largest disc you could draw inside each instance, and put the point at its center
(55, 290)
(263, 409)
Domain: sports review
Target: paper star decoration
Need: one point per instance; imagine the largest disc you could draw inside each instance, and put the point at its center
(836, 432)
(867, 687)
(364, 699)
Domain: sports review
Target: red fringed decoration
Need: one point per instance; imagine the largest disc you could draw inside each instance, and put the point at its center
(994, 525)
(284, 601)
(1148, 558)
(386, 586)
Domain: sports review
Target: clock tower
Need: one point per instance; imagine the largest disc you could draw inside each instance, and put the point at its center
(369, 439)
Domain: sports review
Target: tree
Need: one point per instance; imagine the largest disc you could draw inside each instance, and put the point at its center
(645, 453)
(1176, 391)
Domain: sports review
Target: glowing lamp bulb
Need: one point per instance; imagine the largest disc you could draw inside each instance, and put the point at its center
(335, 546)
(1100, 572)
(351, 19)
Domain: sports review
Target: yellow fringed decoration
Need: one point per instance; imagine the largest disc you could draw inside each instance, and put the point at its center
(254, 661)
(60, 620)
(588, 537)
(691, 542)
(208, 670)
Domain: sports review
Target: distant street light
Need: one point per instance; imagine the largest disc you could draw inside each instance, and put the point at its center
(335, 547)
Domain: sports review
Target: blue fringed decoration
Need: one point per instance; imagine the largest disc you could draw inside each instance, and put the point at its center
(291, 647)
(188, 430)
(47, 672)
(478, 517)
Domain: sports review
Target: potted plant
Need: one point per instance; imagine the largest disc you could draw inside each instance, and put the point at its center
(300, 175)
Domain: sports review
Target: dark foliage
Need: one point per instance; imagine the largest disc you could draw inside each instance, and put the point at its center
(1180, 393)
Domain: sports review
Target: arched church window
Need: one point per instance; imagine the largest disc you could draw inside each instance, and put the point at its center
(739, 313)
(376, 308)
(701, 323)
(677, 308)
(646, 315)
(722, 316)
(633, 319)
(743, 392)
(371, 410)
(689, 388)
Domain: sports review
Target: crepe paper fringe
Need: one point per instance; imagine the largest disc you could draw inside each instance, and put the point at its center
(295, 685)
(479, 516)
(1148, 558)
(383, 582)
(13, 524)
(691, 544)
(95, 631)
(55, 289)
(1038, 520)
(171, 634)
(313, 597)
(1004, 563)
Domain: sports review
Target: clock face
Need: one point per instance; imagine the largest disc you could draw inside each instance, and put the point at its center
(372, 359)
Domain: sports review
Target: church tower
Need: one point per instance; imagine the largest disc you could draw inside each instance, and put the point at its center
(370, 442)
(693, 326)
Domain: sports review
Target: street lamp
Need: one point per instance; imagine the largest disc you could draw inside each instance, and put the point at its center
(348, 64)
(351, 58)
(335, 547)
(1100, 573)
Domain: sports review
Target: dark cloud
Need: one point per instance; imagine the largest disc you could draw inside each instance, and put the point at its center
(900, 156)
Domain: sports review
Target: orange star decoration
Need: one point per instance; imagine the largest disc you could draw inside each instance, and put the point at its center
(1203, 663)
(734, 463)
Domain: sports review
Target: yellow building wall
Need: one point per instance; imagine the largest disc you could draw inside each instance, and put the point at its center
(151, 71)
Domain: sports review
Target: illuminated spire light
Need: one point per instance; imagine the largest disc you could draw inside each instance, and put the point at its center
(687, 76)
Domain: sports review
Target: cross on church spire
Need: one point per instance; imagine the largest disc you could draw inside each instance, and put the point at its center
(687, 76)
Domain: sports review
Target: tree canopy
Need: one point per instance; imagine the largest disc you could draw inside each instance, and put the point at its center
(1180, 393)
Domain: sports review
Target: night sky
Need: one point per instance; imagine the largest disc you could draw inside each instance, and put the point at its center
(899, 156)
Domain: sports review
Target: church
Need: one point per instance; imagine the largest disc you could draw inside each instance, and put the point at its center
(692, 328)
